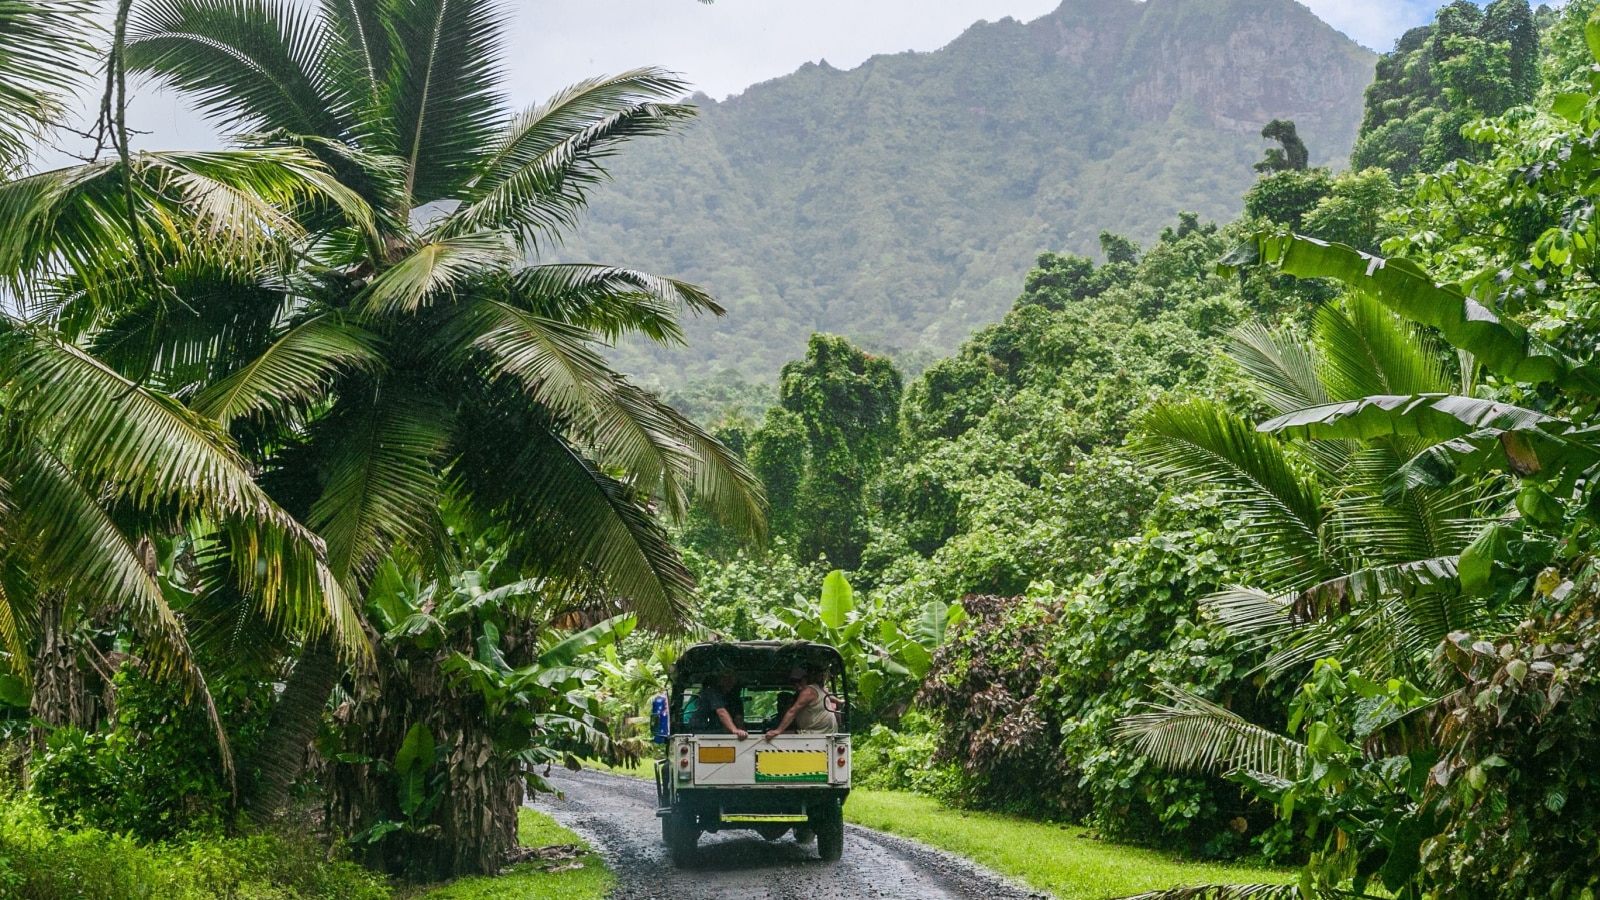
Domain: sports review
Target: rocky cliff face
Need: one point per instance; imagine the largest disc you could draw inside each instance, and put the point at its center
(1244, 64)
(900, 202)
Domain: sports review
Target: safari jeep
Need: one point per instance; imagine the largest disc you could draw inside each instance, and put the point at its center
(712, 781)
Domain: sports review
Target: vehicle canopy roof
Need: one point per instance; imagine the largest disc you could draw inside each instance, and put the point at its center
(756, 660)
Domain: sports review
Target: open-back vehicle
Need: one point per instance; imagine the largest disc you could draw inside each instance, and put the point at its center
(710, 780)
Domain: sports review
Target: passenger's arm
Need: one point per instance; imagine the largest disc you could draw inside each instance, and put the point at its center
(728, 723)
(806, 695)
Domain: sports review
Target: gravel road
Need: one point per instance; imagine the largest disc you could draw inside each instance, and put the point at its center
(616, 814)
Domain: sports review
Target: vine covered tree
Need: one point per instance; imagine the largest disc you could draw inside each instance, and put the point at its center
(1469, 63)
(1291, 156)
(836, 423)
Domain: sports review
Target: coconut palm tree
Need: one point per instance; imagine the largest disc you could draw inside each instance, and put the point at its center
(1343, 564)
(93, 465)
(1446, 439)
(376, 373)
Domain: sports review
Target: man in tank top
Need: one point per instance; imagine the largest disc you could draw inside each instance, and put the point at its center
(809, 714)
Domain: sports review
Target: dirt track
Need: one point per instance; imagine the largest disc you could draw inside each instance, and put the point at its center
(617, 815)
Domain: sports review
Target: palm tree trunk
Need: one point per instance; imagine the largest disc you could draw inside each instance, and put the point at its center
(283, 750)
(61, 690)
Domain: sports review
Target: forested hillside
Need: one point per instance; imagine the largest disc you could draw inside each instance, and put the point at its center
(900, 203)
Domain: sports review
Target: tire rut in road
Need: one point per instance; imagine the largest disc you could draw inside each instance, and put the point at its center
(616, 814)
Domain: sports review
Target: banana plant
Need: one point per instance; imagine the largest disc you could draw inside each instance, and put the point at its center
(883, 657)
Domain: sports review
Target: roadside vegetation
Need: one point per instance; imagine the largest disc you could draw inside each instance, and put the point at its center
(1066, 861)
(582, 878)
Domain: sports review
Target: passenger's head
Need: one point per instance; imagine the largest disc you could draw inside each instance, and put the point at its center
(727, 679)
(799, 677)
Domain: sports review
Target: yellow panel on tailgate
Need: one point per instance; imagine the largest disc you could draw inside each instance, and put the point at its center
(791, 765)
(716, 754)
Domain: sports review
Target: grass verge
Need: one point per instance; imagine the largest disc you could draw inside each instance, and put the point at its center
(527, 882)
(1063, 861)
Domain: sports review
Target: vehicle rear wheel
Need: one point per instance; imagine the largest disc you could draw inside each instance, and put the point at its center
(829, 826)
(682, 839)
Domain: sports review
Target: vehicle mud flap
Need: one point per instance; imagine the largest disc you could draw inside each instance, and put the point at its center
(827, 820)
(682, 837)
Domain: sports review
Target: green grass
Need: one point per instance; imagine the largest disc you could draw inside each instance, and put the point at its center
(526, 882)
(1063, 861)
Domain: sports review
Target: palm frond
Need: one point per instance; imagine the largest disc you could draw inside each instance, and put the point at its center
(382, 466)
(1205, 446)
(609, 301)
(1501, 345)
(1365, 350)
(77, 547)
(110, 428)
(1385, 619)
(358, 59)
(569, 519)
(73, 221)
(714, 474)
(442, 96)
(250, 65)
(1190, 733)
(437, 269)
(551, 360)
(42, 54)
(81, 550)
(297, 369)
(534, 181)
(1282, 369)
(147, 450)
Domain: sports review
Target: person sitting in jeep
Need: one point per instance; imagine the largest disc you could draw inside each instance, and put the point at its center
(720, 702)
(809, 713)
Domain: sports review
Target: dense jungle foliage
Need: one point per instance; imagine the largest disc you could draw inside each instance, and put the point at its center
(900, 203)
(1291, 555)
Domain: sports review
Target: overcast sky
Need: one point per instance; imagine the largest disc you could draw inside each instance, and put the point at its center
(728, 45)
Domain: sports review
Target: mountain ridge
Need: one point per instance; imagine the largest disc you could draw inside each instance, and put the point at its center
(900, 202)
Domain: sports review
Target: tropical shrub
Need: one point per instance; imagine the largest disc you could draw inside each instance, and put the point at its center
(40, 861)
(153, 770)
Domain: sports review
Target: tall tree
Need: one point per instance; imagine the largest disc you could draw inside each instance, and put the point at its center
(837, 422)
(379, 370)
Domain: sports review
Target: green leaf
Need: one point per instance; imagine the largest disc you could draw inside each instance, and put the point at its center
(916, 658)
(416, 750)
(930, 627)
(606, 633)
(1570, 106)
(1538, 507)
(838, 599)
(1476, 566)
(14, 692)
(1501, 346)
(1591, 35)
